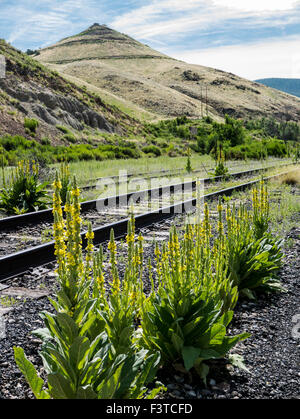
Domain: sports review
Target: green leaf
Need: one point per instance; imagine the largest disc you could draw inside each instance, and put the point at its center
(62, 364)
(209, 354)
(202, 370)
(146, 375)
(156, 391)
(108, 388)
(79, 352)
(190, 354)
(177, 342)
(86, 393)
(64, 299)
(68, 326)
(217, 333)
(229, 342)
(29, 372)
(42, 334)
(60, 387)
(248, 293)
(238, 361)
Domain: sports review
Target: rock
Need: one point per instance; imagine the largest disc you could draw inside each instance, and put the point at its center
(172, 387)
(24, 292)
(191, 393)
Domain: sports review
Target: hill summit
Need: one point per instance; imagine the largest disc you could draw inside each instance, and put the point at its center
(127, 72)
(97, 42)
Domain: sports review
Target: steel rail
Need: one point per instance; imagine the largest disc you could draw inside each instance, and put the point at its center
(47, 214)
(20, 262)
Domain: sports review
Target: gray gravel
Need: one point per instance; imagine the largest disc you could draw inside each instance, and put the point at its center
(271, 353)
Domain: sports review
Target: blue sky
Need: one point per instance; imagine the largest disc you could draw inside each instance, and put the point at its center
(251, 38)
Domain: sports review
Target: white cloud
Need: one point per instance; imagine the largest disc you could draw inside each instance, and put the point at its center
(177, 17)
(275, 58)
(50, 20)
(257, 5)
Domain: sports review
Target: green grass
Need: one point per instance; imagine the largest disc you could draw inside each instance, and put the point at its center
(165, 179)
(283, 205)
(87, 170)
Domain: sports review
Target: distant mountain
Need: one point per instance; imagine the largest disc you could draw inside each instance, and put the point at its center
(133, 76)
(290, 86)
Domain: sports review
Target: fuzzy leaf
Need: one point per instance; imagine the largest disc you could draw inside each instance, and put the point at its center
(29, 372)
(238, 361)
(190, 354)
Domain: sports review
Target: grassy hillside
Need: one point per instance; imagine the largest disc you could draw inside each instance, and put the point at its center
(165, 87)
(36, 102)
(290, 86)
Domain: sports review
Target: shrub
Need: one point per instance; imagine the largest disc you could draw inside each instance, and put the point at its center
(232, 130)
(221, 170)
(152, 149)
(31, 125)
(189, 168)
(45, 141)
(63, 129)
(70, 138)
(22, 192)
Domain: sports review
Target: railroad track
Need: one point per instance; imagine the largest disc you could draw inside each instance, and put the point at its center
(46, 216)
(20, 262)
(33, 229)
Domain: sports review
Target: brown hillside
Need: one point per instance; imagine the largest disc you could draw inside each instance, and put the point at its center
(123, 67)
(30, 90)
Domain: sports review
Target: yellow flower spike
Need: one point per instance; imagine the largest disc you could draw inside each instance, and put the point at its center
(89, 248)
(100, 285)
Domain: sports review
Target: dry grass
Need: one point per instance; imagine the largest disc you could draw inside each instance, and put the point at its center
(159, 84)
(291, 179)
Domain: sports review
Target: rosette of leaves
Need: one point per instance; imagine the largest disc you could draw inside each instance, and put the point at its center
(254, 265)
(82, 359)
(186, 317)
(23, 192)
(82, 365)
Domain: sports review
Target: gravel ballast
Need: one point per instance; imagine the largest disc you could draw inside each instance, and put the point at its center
(271, 354)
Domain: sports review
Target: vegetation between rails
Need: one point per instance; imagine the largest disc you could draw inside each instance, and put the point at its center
(108, 336)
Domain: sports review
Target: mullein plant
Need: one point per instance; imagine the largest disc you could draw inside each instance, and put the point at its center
(254, 256)
(186, 316)
(81, 352)
(65, 180)
(22, 190)
(261, 210)
(108, 338)
(221, 170)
